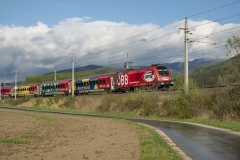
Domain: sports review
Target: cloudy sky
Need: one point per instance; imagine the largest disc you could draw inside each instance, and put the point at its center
(38, 36)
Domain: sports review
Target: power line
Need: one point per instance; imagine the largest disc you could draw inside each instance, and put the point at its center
(214, 9)
(215, 21)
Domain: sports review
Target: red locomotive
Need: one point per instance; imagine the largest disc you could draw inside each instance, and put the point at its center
(153, 77)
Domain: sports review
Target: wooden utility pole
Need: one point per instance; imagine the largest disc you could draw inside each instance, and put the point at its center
(73, 75)
(186, 56)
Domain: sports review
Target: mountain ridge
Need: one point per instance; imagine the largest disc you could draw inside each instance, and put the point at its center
(175, 67)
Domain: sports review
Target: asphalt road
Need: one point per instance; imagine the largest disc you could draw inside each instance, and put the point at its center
(199, 142)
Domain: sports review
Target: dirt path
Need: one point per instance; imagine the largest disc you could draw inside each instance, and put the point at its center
(43, 136)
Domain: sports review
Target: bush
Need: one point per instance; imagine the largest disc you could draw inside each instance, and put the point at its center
(38, 102)
(50, 102)
(106, 101)
(182, 107)
(57, 98)
(228, 106)
(145, 101)
(69, 102)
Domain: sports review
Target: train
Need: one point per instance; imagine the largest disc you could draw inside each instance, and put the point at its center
(152, 77)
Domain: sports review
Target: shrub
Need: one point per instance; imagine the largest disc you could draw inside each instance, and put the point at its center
(145, 101)
(38, 102)
(106, 102)
(69, 102)
(182, 107)
(50, 102)
(57, 98)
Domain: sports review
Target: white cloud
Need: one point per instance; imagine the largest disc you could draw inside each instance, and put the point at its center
(37, 49)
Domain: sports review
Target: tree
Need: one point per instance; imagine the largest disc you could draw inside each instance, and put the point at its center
(233, 46)
(233, 55)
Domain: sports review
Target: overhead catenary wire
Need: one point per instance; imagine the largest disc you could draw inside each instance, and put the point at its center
(213, 9)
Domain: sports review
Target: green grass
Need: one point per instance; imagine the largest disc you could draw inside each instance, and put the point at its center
(13, 141)
(230, 125)
(28, 136)
(48, 121)
(153, 147)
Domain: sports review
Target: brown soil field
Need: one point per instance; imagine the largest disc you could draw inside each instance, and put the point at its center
(44, 136)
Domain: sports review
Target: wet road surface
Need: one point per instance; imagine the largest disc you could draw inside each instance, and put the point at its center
(199, 142)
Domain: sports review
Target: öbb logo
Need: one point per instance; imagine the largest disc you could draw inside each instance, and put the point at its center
(148, 76)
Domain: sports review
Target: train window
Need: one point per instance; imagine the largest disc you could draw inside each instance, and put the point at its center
(104, 82)
(100, 81)
(163, 72)
(91, 83)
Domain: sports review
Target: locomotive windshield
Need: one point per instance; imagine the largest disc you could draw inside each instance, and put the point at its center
(162, 71)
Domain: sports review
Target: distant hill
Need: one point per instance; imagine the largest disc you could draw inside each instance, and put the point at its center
(219, 74)
(78, 69)
(176, 67)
